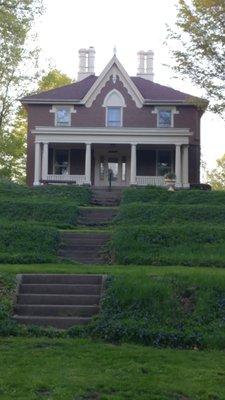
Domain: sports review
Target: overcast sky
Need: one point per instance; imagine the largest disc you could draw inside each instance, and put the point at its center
(69, 25)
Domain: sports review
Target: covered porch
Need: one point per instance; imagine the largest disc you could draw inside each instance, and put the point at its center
(128, 164)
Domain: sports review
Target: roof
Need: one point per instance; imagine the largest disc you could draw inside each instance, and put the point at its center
(151, 92)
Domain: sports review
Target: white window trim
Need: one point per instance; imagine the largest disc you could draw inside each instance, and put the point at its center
(54, 110)
(121, 117)
(173, 110)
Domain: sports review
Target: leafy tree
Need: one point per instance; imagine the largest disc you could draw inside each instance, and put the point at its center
(14, 144)
(216, 177)
(199, 47)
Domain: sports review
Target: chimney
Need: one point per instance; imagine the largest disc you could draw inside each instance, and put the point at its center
(145, 64)
(86, 63)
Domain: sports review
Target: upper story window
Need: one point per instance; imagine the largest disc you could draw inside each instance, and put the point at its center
(114, 116)
(114, 103)
(164, 118)
(62, 115)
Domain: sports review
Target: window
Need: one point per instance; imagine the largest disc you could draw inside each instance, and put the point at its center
(164, 162)
(61, 164)
(114, 116)
(62, 116)
(164, 118)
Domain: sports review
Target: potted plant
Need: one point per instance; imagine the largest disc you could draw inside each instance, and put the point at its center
(170, 179)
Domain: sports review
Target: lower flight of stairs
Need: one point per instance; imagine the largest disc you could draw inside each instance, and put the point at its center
(85, 248)
(60, 300)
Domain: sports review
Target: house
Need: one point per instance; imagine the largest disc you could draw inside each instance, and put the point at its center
(131, 127)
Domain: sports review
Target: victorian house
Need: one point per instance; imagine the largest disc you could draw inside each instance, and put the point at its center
(131, 126)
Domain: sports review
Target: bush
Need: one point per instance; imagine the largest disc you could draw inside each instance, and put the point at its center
(24, 243)
(61, 214)
(146, 213)
(151, 194)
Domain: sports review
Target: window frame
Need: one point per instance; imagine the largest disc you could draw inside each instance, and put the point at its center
(57, 109)
(107, 117)
(171, 117)
(173, 111)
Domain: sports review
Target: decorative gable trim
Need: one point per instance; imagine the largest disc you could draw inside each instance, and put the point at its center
(113, 69)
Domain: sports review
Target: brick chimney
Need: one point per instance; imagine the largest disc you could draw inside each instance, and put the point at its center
(145, 64)
(86, 63)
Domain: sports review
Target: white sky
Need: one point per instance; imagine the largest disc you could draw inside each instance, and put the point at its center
(69, 25)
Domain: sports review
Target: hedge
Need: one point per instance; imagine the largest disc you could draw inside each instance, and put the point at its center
(59, 213)
(27, 243)
(147, 213)
(151, 194)
(169, 244)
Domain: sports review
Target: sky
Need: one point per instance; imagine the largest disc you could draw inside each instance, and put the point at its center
(69, 25)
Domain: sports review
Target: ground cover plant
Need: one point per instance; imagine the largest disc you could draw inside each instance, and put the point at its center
(26, 243)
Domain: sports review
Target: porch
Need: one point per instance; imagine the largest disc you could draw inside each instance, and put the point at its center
(129, 164)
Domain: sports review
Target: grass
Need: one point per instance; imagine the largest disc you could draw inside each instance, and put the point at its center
(86, 370)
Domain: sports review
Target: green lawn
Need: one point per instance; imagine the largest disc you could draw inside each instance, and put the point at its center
(84, 370)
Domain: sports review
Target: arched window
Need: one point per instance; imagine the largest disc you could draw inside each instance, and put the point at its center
(114, 103)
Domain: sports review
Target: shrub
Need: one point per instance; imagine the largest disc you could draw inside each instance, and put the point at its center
(21, 243)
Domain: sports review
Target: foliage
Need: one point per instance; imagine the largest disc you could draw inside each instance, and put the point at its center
(216, 177)
(25, 243)
(199, 47)
(149, 194)
(53, 79)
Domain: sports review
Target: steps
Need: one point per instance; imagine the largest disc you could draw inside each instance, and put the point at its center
(58, 300)
(106, 197)
(96, 216)
(86, 248)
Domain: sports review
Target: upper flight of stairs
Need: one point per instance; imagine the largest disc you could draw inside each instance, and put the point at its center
(96, 216)
(106, 197)
(58, 300)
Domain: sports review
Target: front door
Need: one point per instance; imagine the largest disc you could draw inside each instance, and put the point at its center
(114, 166)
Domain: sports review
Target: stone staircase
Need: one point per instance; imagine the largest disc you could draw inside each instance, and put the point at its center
(85, 248)
(58, 300)
(106, 197)
(96, 216)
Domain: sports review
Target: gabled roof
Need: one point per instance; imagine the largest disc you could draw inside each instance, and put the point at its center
(85, 91)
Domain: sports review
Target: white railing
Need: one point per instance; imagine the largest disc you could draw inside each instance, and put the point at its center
(78, 179)
(150, 180)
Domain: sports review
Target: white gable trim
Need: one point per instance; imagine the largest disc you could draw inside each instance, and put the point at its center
(113, 68)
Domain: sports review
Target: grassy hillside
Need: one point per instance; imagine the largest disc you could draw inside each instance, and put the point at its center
(158, 227)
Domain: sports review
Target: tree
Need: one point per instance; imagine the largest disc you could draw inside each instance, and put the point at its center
(199, 52)
(216, 177)
(14, 144)
(18, 68)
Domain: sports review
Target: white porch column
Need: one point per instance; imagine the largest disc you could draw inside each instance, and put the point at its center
(178, 165)
(185, 178)
(88, 164)
(37, 164)
(45, 162)
(133, 164)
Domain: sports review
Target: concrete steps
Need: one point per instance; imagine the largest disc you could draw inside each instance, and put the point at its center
(105, 197)
(96, 216)
(59, 300)
(84, 247)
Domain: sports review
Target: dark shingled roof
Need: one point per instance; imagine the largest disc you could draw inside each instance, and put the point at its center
(76, 91)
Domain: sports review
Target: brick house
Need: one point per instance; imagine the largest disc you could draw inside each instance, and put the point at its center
(135, 128)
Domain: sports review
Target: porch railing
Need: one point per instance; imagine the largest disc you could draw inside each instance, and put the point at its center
(150, 180)
(78, 179)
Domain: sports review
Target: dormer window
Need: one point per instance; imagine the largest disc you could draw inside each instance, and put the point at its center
(114, 103)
